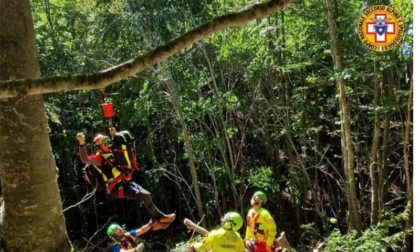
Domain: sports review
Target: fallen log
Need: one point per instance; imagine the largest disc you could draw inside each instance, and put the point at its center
(194, 227)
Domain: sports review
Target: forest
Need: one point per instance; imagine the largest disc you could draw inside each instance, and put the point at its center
(224, 98)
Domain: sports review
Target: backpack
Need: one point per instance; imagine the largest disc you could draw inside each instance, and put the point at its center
(123, 150)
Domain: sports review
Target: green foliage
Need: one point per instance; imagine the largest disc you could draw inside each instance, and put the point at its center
(184, 246)
(292, 186)
(388, 234)
(262, 178)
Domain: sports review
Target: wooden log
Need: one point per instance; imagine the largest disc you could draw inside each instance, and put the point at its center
(196, 228)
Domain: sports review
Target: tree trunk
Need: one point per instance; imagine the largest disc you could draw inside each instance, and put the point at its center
(384, 171)
(346, 141)
(188, 148)
(33, 219)
(406, 143)
(373, 158)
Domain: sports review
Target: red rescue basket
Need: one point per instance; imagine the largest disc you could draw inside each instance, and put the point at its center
(108, 109)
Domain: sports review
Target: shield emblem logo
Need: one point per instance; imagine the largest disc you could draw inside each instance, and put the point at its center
(380, 29)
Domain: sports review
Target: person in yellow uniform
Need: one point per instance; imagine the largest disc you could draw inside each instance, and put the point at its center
(224, 239)
(260, 226)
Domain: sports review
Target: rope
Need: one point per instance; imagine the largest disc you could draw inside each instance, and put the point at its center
(85, 198)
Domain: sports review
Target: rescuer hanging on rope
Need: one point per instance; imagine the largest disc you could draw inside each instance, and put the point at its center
(116, 172)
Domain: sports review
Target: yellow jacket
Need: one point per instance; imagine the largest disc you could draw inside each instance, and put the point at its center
(221, 240)
(260, 226)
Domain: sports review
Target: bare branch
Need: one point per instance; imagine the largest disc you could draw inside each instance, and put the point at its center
(104, 78)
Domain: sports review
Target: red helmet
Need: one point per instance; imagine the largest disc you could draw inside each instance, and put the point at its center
(101, 139)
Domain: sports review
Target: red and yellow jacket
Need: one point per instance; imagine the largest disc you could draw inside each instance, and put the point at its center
(260, 226)
(104, 163)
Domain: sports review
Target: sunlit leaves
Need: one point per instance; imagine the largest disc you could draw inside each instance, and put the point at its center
(373, 238)
(231, 131)
(262, 178)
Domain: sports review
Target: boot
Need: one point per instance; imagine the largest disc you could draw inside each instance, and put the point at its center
(163, 222)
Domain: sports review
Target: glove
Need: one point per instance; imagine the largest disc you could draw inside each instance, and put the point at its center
(139, 247)
(112, 131)
(250, 245)
(81, 138)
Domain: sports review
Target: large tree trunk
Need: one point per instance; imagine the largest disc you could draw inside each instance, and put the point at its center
(346, 141)
(33, 219)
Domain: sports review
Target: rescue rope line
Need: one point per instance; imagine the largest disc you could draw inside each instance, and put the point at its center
(85, 198)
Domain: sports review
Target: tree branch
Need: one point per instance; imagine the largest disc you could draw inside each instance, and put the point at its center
(99, 80)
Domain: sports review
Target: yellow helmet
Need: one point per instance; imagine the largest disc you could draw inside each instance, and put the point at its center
(232, 221)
